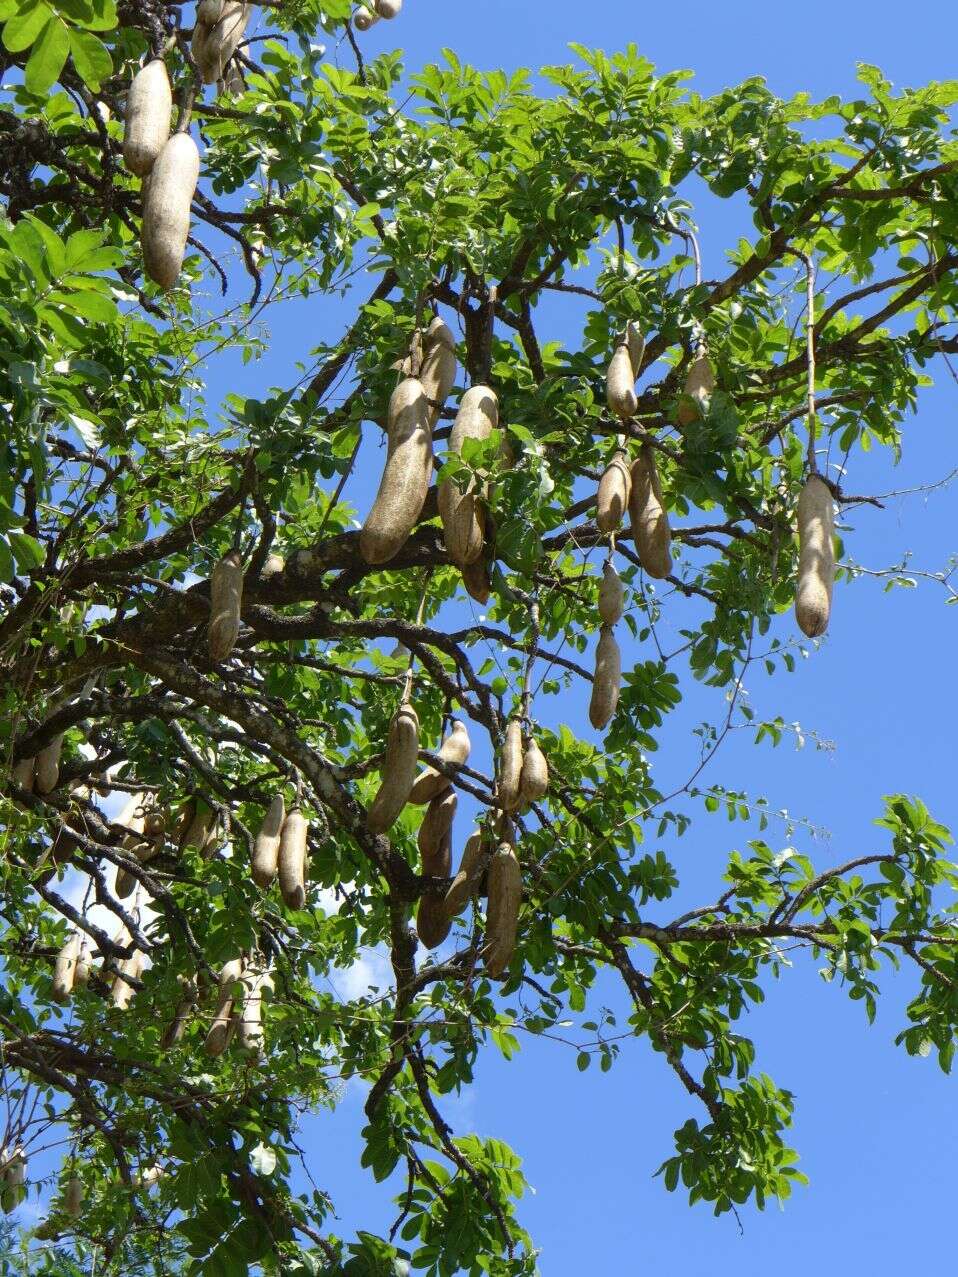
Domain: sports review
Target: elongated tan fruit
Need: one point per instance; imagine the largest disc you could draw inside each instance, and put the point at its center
(143, 844)
(146, 126)
(132, 818)
(13, 1167)
(432, 921)
(73, 1197)
(406, 475)
(234, 83)
(222, 1028)
(199, 47)
(636, 344)
(534, 780)
(13, 1174)
(24, 773)
(438, 334)
(226, 605)
(266, 846)
(214, 839)
(364, 18)
(48, 766)
(214, 45)
(228, 33)
(132, 813)
(437, 856)
(620, 383)
(63, 846)
(510, 767)
(47, 775)
(462, 514)
(256, 983)
(436, 824)
(166, 209)
(181, 1016)
(816, 565)
(292, 859)
(650, 523)
(122, 992)
(125, 883)
(196, 825)
(611, 596)
(199, 823)
(438, 372)
(475, 577)
(388, 8)
(607, 680)
(505, 897)
(466, 882)
(274, 564)
(454, 750)
(64, 971)
(185, 815)
(398, 771)
(144, 852)
(209, 12)
(154, 826)
(84, 967)
(615, 488)
(699, 385)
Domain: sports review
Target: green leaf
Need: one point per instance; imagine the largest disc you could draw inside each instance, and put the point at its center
(104, 16)
(68, 328)
(29, 247)
(94, 15)
(91, 58)
(28, 552)
(6, 561)
(519, 545)
(53, 246)
(92, 306)
(81, 247)
(23, 28)
(48, 57)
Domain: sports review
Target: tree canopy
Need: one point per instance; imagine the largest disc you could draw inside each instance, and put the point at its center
(414, 204)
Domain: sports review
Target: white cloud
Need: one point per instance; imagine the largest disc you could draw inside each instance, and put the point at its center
(372, 968)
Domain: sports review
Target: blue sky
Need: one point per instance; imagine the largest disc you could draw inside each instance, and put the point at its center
(876, 1129)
